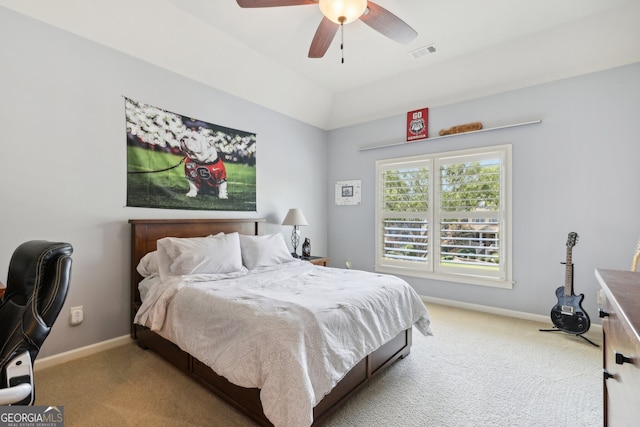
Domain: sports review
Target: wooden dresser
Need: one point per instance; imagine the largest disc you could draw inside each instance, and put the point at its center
(620, 315)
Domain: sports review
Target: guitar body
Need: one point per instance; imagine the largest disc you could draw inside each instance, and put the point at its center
(568, 314)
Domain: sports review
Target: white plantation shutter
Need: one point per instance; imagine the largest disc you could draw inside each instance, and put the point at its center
(446, 216)
(470, 214)
(405, 211)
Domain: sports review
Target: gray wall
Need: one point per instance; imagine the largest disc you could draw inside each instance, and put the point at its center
(62, 133)
(576, 171)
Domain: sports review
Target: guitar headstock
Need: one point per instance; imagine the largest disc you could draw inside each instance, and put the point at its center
(572, 239)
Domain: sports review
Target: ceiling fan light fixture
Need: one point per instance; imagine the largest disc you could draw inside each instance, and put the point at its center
(343, 11)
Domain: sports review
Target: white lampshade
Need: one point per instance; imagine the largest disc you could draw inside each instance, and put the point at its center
(295, 217)
(349, 9)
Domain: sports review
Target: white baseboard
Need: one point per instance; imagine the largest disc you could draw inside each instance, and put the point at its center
(67, 356)
(499, 311)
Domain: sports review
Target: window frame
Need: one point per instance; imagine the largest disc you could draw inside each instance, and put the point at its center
(430, 268)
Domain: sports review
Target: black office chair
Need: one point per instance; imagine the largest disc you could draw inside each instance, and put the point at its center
(37, 284)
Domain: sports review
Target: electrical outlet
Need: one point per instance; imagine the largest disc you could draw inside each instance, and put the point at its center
(599, 296)
(76, 315)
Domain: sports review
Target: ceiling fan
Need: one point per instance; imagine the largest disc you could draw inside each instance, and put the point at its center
(339, 12)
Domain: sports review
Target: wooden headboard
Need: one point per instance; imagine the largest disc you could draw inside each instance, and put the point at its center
(146, 232)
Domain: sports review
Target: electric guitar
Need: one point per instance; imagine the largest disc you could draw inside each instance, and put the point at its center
(568, 315)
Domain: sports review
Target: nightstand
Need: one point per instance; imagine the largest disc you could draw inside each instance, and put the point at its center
(318, 260)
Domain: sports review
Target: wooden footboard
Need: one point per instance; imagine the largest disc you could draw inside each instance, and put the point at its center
(247, 400)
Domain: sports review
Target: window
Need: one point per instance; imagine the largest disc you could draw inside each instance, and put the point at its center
(446, 216)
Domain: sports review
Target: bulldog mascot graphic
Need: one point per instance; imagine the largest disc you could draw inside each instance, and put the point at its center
(204, 170)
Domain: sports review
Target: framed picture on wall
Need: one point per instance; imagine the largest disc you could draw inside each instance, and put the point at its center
(348, 192)
(417, 124)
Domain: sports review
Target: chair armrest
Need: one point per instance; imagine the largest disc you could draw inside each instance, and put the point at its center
(12, 395)
(19, 387)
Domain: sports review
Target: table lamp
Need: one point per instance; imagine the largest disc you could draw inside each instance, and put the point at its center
(296, 218)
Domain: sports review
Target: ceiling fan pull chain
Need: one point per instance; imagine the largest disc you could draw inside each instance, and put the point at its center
(342, 40)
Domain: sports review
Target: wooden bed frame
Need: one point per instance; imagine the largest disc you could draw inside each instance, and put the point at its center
(144, 235)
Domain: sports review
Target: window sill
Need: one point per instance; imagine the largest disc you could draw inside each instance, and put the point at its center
(458, 278)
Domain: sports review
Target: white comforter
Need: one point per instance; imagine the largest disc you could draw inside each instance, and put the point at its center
(293, 330)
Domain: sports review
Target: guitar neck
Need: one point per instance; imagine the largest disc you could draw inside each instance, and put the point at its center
(568, 277)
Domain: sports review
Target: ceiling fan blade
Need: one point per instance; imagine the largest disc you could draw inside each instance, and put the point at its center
(273, 3)
(324, 36)
(388, 24)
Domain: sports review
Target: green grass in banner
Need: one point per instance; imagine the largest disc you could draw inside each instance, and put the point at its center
(167, 189)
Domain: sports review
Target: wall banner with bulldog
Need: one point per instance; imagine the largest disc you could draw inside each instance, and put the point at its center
(178, 162)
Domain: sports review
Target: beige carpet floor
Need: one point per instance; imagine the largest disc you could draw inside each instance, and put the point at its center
(477, 370)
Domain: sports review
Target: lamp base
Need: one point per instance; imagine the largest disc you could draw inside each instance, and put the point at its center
(295, 240)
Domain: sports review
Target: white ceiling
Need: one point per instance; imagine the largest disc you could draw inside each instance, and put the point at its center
(484, 47)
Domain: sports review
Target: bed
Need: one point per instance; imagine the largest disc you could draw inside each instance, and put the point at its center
(176, 343)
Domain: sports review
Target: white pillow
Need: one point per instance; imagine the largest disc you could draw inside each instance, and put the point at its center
(148, 264)
(217, 254)
(264, 251)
